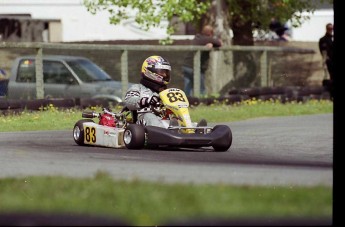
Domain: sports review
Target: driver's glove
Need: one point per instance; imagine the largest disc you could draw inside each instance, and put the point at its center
(149, 101)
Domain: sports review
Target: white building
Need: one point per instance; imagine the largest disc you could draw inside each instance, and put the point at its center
(69, 21)
(314, 28)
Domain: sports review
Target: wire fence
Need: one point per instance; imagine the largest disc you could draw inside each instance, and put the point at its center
(231, 67)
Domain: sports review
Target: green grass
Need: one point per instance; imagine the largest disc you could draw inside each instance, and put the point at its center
(55, 119)
(145, 203)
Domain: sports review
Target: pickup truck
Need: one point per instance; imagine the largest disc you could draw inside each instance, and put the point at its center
(63, 77)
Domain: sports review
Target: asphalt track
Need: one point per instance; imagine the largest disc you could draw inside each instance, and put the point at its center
(294, 150)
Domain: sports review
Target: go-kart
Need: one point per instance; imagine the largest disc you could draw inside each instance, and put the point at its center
(122, 129)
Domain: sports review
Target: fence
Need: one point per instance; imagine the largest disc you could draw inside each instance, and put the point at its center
(237, 66)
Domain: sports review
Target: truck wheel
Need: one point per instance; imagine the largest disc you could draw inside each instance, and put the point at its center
(78, 131)
(134, 136)
(225, 146)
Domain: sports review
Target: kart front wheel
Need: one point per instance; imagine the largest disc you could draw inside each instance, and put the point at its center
(225, 144)
(134, 136)
(78, 131)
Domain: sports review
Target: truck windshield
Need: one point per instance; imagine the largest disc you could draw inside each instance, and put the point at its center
(88, 71)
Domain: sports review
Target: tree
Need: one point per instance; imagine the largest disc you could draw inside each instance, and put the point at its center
(245, 16)
(249, 15)
(150, 13)
(241, 16)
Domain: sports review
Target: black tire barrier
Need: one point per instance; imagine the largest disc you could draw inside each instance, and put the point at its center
(60, 219)
(231, 99)
(317, 90)
(57, 219)
(270, 97)
(36, 104)
(3, 104)
(271, 221)
(234, 92)
(16, 104)
(62, 103)
(90, 102)
(284, 94)
(251, 92)
(272, 90)
(193, 101)
(278, 90)
(207, 101)
(10, 106)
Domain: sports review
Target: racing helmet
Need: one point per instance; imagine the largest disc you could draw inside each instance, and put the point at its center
(156, 69)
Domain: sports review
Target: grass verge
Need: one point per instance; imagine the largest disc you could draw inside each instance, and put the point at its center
(58, 119)
(144, 203)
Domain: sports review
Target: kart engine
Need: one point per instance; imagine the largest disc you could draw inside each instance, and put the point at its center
(107, 120)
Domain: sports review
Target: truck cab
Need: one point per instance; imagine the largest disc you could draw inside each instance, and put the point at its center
(63, 77)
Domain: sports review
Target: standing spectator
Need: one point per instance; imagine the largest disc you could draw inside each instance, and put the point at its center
(204, 39)
(2, 74)
(280, 30)
(326, 50)
(3, 82)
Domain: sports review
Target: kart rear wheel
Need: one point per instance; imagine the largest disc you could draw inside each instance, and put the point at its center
(225, 146)
(78, 131)
(134, 136)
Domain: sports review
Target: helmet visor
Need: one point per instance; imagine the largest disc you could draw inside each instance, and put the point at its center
(164, 73)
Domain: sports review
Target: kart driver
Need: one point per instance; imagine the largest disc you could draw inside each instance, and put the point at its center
(155, 76)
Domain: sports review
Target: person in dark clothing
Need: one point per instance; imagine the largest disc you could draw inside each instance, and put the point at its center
(205, 38)
(326, 50)
(280, 30)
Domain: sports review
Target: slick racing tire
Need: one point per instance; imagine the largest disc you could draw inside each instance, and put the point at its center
(78, 131)
(134, 136)
(225, 146)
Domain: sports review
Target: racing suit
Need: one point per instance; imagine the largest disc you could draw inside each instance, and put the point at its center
(133, 98)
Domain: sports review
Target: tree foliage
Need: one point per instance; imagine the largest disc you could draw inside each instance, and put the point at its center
(247, 14)
(149, 13)
(257, 15)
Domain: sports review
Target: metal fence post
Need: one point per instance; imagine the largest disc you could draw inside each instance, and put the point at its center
(124, 72)
(39, 74)
(196, 75)
(263, 69)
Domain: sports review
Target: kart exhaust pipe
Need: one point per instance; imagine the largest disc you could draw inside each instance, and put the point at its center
(89, 114)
